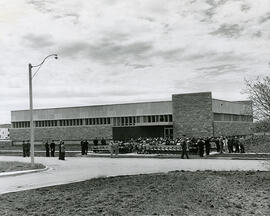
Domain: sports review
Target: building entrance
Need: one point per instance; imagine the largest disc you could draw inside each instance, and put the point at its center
(126, 133)
(168, 132)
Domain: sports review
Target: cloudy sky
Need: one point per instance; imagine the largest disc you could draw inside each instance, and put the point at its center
(114, 51)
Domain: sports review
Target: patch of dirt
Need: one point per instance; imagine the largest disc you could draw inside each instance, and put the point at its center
(174, 193)
(8, 166)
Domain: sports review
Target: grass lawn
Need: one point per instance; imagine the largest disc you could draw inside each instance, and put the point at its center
(174, 193)
(17, 166)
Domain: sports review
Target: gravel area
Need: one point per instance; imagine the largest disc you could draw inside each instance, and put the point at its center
(174, 193)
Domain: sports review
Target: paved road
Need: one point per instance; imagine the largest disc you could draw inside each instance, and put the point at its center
(75, 169)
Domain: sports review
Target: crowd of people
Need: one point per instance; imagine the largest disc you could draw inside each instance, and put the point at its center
(200, 146)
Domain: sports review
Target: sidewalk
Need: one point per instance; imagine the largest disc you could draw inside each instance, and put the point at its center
(75, 169)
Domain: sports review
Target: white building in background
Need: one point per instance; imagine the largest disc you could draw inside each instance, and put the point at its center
(4, 131)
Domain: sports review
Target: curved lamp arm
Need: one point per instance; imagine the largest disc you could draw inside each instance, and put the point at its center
(39, 65)
(55, 56)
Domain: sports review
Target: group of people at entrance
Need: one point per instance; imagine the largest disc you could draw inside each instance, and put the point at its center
(201, 146)
(50, 149)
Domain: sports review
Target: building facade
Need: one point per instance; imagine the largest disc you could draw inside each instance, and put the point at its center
(194, 114)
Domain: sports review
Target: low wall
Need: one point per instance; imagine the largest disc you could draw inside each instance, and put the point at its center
(232, 128)
(64, 133)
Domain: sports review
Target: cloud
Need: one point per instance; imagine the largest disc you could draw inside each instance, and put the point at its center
(265, 18)
(42, 6)
(106, 51)
(138, 66)
(218, 70)
(228, 30)
(127, 51)
(38, 41)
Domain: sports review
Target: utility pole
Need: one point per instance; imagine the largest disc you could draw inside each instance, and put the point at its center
(31, 104)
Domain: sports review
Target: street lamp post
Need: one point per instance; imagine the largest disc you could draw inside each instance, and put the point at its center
(31, 103)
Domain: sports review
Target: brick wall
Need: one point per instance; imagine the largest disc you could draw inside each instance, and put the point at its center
(232, 128)
(192, 114)
(64, 133)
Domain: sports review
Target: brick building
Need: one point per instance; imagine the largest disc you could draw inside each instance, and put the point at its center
(194, 114)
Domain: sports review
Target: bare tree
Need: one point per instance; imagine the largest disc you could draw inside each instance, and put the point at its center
(259, 93)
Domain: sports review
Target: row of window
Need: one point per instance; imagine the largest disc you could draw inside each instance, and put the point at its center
(66, 122)
(97, 121)
(132, 120)
(117, 121)
(123, 121)
(231, 117)
(23, 124)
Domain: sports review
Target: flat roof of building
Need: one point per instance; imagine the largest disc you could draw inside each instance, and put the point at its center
(96, 105)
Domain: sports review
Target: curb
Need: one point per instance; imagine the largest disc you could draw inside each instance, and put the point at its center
(168, 157)
(16, 173)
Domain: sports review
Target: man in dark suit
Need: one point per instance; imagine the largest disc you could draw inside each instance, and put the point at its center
(24, 148)
(236, 144)
(217, 144)
(207, 145)
(47, 148)
(95, 141)
(103, 141)
(28, 148)
(184, 145)
(86, 147)
(52, 147)
(200, 145)
(230, 145)
(82, 147)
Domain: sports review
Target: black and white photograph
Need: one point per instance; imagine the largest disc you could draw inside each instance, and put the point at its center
(135, 107)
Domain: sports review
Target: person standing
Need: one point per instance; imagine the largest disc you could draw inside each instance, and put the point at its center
(95, 141)
(103, 141)
(86, 147)
(241, 145)
(184, 145)
(24, 148)
(28, 148)
(111, 145)
(167, 141)
(217, 144)
(221, 144)
(236, 144)
(62, 150)
(59, 150)
(207, 145)
(52, 147)
(82, 147)
(47, 148)
(116, 149)
(230, 145)
(225, 142)
(200, 145)
(233, 144)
